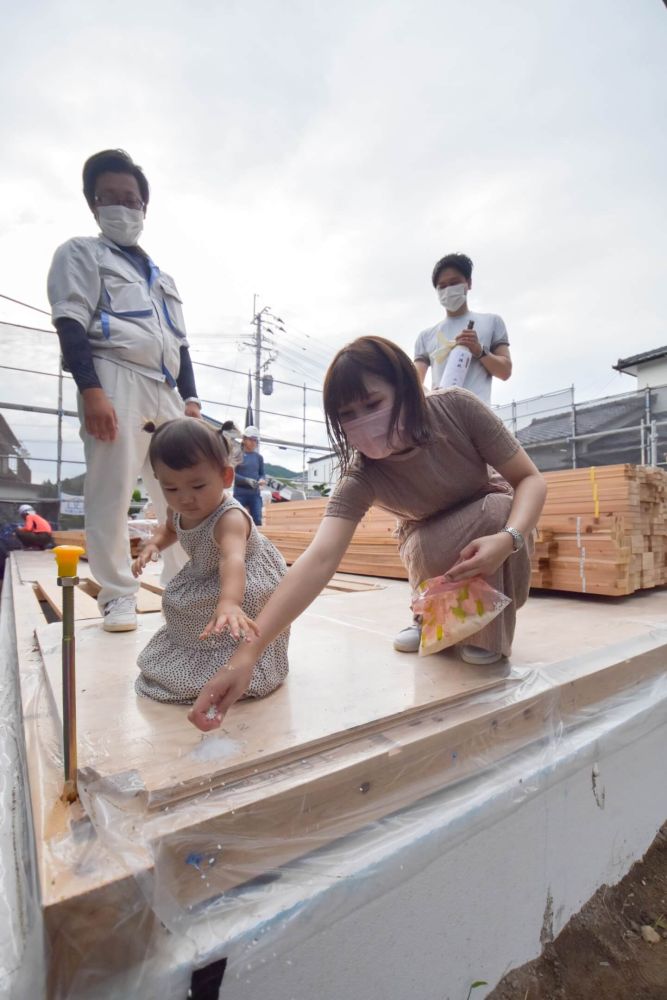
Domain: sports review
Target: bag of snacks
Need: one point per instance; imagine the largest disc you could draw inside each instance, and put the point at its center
(453, 611)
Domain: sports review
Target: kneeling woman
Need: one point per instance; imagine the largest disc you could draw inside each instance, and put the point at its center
(424, 459)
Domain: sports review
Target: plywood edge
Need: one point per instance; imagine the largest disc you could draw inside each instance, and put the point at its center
(270, 819)
(85, 607)
(187, 788)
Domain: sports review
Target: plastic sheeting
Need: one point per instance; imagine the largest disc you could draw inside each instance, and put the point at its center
(231, 872)
(22, 964)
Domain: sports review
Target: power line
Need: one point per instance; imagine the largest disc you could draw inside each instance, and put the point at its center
(25, 304)
(22, 326)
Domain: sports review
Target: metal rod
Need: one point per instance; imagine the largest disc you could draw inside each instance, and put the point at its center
(59, 445)
(37, 409)
(68, 583)
(574, 430)
(303, 462)
(642, 441)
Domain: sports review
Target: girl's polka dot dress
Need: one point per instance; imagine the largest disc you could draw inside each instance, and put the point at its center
(176, 663)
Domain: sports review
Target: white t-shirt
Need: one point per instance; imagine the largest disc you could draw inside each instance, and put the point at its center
(432, 348)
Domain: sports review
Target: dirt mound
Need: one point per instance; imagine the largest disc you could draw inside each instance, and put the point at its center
(602, 954)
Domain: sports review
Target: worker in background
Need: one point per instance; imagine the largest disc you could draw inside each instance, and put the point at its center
(120, 323)
(483, 334)
(249, 477)
(36, 532)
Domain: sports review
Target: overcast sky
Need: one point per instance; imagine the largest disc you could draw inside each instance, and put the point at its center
(324, 156)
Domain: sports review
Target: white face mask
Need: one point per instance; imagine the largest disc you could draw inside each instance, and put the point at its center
(122, 225)
(453, 297)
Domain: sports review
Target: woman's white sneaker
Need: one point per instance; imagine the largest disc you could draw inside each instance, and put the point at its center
(482, 657)
(408, 639)
(120, 615)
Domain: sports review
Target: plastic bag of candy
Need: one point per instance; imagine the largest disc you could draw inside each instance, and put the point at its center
(452, 611)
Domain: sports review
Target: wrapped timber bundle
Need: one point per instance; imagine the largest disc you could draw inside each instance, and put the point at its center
(603, 531)
(373, 551)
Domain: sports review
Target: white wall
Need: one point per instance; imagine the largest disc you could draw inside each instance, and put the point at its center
(323, 470)
(470, 900)
(652, 374)
(649, 374)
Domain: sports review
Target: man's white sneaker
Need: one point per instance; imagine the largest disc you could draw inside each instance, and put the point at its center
(482, 657)
(120, 615)
(408, 639)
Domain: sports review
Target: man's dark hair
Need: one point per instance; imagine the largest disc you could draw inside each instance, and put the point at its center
(112, 161)
(459, 261)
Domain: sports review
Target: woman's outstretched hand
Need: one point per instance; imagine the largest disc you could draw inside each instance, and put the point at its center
(218, 695)
(482, 556)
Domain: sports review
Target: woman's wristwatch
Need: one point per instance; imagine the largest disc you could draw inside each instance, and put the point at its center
(518, 541)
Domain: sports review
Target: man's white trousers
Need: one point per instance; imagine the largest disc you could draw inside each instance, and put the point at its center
(112, 470)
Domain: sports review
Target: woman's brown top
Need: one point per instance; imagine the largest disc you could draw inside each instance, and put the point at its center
(452, 469)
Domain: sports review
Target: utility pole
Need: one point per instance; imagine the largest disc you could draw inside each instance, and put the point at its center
(258, 355)
(260, 344)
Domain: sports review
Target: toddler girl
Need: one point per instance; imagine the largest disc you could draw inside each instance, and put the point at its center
(232, 571)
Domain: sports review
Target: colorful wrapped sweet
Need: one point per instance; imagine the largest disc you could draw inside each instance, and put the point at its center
(451, 612)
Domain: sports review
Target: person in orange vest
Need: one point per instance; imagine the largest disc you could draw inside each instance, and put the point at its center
(36, 531)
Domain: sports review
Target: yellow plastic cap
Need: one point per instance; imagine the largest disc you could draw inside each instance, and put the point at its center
(67, 557)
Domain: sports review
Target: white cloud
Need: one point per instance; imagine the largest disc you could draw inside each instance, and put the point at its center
(325, 157)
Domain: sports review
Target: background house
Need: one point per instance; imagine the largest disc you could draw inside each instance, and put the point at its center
(649, 368)
(626, 428)
(15, 477)
(323, 470)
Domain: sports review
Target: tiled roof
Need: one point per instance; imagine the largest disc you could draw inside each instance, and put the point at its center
(638, 359)
(613, 414)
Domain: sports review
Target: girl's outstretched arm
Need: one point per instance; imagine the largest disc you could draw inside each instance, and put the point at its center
(231, 535)
(163, 536)
(301, 585)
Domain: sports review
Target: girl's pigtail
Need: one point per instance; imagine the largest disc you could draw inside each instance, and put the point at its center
(232, 447)
(150, 427)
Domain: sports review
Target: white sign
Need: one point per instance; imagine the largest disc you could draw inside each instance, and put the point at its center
(71, 505)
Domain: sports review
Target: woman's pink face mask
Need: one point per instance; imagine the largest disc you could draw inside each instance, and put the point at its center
(370, 434)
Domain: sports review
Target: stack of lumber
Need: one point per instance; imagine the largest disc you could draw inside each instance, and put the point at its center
(77, 536)
(372, 552)
(603, 531)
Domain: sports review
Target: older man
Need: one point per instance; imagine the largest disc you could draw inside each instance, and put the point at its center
(122, 335)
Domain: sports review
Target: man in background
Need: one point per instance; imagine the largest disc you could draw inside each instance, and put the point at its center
(487, 340)
(485, 336)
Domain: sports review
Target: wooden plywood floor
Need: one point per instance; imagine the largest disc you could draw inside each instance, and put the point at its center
(345, 679)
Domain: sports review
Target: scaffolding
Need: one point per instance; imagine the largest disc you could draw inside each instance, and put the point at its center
(59, 448)
(555, 430)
